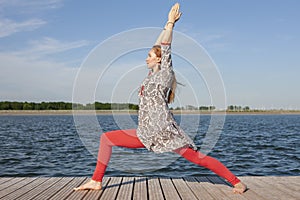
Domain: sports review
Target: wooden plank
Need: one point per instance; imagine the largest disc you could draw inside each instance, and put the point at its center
(111, 190)
(269, 187)
(169, 189)
(292, 179)
(184, 191)
(68, 189)
(31, 190)
(154, 189)
(10, 183)
(250, 194)
(140, 188)
(80, 193)
(225, 188)
(291, 184)
(22, 189)
(198, 189)
(96, 194)
(126, 189)
(5, 179)
(216, 193)
(37, 190)
(252, 186)
(16, 186)
(267, 191)
(283, 189)
(53, 189)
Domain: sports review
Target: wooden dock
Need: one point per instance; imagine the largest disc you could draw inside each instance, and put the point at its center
(140, 188)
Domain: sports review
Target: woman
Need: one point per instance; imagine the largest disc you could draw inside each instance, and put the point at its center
(157, 130)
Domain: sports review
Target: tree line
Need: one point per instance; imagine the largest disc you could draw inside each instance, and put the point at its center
(8, 105)
(14, 105)
(201, 108)
(234, 108)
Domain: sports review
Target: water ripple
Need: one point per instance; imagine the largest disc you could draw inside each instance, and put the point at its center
(50, 146)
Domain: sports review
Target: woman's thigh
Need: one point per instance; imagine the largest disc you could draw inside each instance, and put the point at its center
(123, 138)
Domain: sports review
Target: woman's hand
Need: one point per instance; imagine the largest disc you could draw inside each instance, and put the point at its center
(174, 13)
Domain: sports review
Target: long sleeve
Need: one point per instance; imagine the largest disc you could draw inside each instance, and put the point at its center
(160, 37)
(165, 37)
(166, 60)
(164, 40)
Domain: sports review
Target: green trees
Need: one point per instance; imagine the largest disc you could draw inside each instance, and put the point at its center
(207, 108)
(14, 105)
(234, 108)
(7, 105)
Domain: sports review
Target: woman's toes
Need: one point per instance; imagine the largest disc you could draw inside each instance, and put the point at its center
(239, 188)
(91, 185)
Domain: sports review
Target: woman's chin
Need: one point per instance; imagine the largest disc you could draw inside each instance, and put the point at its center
(150, 66)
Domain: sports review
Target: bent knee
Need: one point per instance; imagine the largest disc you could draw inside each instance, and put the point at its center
(104, 139)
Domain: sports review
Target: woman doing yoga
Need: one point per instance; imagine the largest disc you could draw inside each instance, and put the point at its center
(157, 130)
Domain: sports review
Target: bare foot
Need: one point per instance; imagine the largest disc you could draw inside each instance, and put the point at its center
(91, 185)
(239, 188)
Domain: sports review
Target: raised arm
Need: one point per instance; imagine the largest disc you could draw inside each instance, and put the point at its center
(166, 35)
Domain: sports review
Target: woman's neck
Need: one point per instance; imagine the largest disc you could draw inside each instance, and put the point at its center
(156, 68)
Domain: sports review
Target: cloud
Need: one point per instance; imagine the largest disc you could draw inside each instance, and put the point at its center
(30, 6)
(14, 9)
(32, 74)
(9, 27)
(51, 49)
(48, 46)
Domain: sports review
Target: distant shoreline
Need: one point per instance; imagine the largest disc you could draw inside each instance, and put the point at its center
(132, 112)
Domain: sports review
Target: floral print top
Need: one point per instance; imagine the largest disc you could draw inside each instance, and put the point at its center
(157, 129)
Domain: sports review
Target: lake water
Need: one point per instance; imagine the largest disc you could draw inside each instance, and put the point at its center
(51, 146)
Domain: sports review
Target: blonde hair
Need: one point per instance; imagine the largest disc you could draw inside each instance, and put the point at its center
(157, 50)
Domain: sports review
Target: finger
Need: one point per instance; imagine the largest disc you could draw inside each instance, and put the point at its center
(174, 9)
(178, 16)
(177, 6)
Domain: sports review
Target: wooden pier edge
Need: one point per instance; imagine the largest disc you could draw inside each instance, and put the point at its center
(152, 188)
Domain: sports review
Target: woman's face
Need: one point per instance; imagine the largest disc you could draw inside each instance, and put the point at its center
(152, 60)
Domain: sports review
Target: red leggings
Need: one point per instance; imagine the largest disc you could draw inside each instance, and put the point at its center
(129, 139)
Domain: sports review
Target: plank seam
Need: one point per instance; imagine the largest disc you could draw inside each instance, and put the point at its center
(61, 188)
(119, 188)
(147, 188)
(192, 188)
(4, 181)
(73, 191)
(132, 190)
(162, 191)
(38, 186)
(175, 188)
(11, 183)
(19, 187)
(104, 187)
(216, 184)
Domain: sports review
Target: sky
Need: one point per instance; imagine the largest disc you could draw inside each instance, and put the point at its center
(253, 46)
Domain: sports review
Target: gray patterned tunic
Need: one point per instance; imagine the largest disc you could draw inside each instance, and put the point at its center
(157, 129)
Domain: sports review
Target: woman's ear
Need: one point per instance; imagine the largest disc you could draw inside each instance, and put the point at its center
(158, 59)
